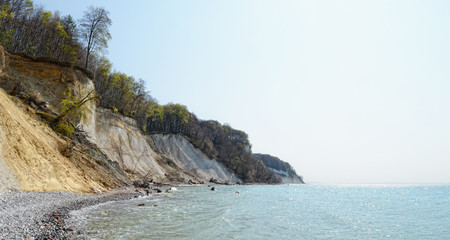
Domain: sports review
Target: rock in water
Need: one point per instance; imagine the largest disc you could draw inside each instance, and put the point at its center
(213, 189)
(171, 189)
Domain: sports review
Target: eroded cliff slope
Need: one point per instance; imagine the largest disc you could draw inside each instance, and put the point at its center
(33, 156)
(162, 158)
(179, 150)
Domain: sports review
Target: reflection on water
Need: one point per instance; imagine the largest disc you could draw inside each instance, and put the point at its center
(277, 212)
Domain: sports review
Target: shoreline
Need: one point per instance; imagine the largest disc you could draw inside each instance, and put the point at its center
(42, 215)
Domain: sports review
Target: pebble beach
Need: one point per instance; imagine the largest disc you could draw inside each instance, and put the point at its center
(42, 215)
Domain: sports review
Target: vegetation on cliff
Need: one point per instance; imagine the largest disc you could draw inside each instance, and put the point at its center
(281, 167)
(40, 33)
(71, 112)
(127, 96)
(36, 32)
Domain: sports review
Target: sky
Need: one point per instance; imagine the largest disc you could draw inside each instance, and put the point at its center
(345, 91)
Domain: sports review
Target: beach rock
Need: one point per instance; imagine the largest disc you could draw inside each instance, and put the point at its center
(71, 228)
(141, 184)
(171, 189)
(97, 191)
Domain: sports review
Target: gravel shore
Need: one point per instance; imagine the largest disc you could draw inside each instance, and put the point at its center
(41, 215)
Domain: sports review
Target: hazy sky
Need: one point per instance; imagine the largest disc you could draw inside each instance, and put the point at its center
(346, 91)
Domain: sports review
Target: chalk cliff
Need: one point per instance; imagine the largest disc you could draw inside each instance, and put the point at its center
(282, 169)
(111, 153)
(179, 150)
(162, 158)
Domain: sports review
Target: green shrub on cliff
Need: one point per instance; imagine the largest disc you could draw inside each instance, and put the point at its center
(65, 128)
(71, 109)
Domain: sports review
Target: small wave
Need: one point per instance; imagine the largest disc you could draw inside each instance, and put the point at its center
(278, 212)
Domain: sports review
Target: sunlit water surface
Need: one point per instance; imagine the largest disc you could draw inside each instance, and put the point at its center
(276, 212)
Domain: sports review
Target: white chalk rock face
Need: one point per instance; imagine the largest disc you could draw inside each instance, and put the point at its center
(185, 155)
(87, 123)
(159, 157)
(122, 141)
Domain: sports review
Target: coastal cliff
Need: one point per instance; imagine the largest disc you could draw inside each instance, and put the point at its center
(32, 156)
(160, 157)
(282, 169)
(108, 151)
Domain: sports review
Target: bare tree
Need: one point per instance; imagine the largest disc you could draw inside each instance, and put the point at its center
(94, 30)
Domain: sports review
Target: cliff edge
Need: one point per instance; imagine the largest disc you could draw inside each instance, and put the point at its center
(281, 168)
(108, 150)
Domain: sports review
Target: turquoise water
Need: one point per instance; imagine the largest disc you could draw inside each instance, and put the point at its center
(277, 212)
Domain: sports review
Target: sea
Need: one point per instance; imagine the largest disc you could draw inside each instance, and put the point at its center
(309, 211)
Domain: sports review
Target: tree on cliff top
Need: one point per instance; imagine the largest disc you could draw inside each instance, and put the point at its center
(36, 32)
(94, 30)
